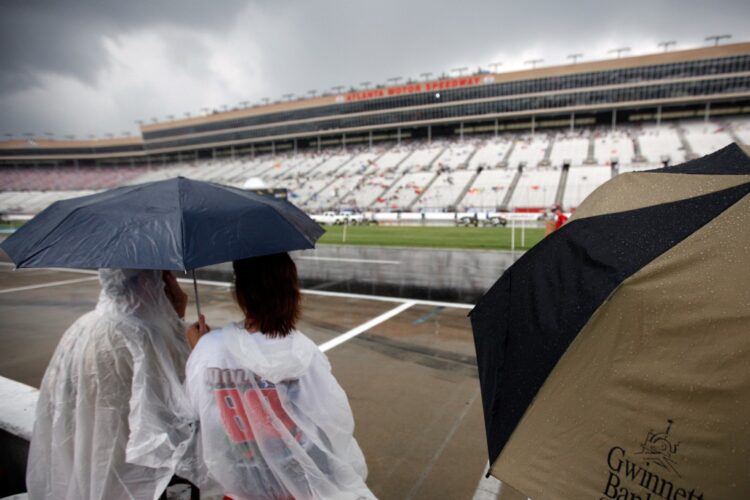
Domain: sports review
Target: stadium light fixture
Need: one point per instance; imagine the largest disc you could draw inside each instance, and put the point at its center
(288, 97)
(365, 84)
(533, 62)
(426, 75)
(170, 117)
(575, 57)
(666, 45)
(312, 93)
(139, 122)
(205, 111)
(92, 136)
(187, 114)
(494, 66)
(28, 134)
(109, 135)
(70, 137)
(619, 51)
(338, 88)
(244, 104)
(224, 107)
(153, 119)
(460, 71)
(717, 38)
(395, 79)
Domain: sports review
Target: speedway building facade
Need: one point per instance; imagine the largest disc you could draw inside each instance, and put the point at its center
(538, 108)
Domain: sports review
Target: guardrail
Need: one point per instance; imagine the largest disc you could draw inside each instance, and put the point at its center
(16, 426)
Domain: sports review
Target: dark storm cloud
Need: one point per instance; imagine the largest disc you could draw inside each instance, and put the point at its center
(66, 36)
(230, 51)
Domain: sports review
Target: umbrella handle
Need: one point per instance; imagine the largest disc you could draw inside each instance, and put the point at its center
(195, 287)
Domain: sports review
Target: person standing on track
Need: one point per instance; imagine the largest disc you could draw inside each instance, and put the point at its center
(274, 422)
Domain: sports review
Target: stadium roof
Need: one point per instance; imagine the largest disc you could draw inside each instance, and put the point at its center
(560, 70)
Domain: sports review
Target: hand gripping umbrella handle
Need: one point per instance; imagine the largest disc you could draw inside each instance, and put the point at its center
(197, 301)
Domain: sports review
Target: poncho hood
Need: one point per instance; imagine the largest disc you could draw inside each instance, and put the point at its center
(274, 359)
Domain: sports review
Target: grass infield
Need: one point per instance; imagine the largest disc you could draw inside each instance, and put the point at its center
(483, 238)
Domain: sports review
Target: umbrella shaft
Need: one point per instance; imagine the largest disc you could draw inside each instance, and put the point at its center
(195, 288)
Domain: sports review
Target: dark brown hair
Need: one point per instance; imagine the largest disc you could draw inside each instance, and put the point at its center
(267, 291)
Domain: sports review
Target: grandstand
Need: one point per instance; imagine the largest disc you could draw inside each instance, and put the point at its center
(516, 141)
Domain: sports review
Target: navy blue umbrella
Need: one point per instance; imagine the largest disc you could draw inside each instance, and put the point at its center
(176, 224)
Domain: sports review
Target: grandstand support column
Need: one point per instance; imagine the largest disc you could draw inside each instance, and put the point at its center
(429, 134)
(572, 121)
(689, 153)
(398, 136)
(295, 146)
(424, 190)
(273, 148)
(318, 144)
(658, 116)
(506, 158)
(370, 139)
(343, 140)
(232, 149)
(614, 119)
(213, 153)
(466, 188)
(252, 151)
(461, 133)
(560, 194)
(512, 188)
(707, 113)
(590, 156)
(496, 127)
(533, 125)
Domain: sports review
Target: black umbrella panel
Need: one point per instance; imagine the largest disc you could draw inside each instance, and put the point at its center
(613, 355)
(176, 224)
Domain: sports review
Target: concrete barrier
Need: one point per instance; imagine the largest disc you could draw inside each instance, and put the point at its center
(16, 426)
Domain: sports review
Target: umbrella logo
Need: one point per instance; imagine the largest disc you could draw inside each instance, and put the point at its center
(658, 449)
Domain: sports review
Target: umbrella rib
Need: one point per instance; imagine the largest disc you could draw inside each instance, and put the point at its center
(182, 224)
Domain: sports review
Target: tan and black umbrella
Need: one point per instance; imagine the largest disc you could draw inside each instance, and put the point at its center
(614, 356)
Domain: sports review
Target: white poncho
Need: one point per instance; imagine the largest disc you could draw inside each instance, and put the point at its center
(113, 421)
(275, 424)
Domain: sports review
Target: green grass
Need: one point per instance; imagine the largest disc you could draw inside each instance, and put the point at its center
(484, 238)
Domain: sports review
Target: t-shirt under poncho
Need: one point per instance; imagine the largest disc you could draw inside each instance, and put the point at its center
(275, 424)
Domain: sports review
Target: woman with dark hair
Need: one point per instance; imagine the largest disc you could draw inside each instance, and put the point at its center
(274, 422)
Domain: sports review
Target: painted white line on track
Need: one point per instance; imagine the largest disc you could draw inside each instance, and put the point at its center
(448, 436)
(345, 259)
(326, 346)
(45, 285)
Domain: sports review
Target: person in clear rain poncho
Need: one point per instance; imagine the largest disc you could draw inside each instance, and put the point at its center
(275, 423)
(112, 421)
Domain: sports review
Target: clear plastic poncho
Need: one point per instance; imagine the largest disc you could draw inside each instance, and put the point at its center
(275, 424)
(113, 420)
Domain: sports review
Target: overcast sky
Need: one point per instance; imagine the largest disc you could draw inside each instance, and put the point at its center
(75, 67)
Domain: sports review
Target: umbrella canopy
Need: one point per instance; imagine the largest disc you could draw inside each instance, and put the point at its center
(175, 224)
(614, 356)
